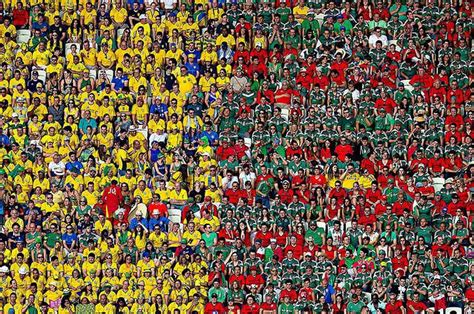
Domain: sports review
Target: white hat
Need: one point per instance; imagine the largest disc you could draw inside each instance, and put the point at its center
(4, 269)
(22, 271)
(142, 16)
(156, 212)
(132, 128)
(436, 277)
(14, 115)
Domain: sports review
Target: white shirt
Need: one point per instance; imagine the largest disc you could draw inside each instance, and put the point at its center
(373, 39)
(57, 168)
(247, 177)
(169, 4)
(160, 138)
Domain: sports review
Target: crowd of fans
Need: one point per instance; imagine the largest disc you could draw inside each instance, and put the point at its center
(236, 157)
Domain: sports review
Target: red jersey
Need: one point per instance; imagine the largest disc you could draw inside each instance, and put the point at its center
(399, 207)
(161, 207)
(217, 308)
(297, 250)
(254, 280)
(233, 195)
(293, 296)
(240, 279)
(399, 263)
(317, 180)
(250, 309)
(418, 306)
(112, 197)
(322, 81)
(373, 196)
(223, 153)
(268, 306)
(342, 151)
(340, 194)
(265, 238)
(286, 196)
(394, 308)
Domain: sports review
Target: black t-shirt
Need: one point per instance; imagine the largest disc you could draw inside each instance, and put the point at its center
(16, 238)
(135, 13)
(10, 207)
(60, 29)
(3, 237)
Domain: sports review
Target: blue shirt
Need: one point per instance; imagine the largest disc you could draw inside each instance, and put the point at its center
(193, 68)
(77, 164)
(134, 223)
(39, 26)
(196, 53)
(187, 250)
(196, 107)
(119, 82)
(162, 222)
(4, 140)
(328, 292)
(69, 238)
(192, 138)
(160, 109)
(211, 135)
